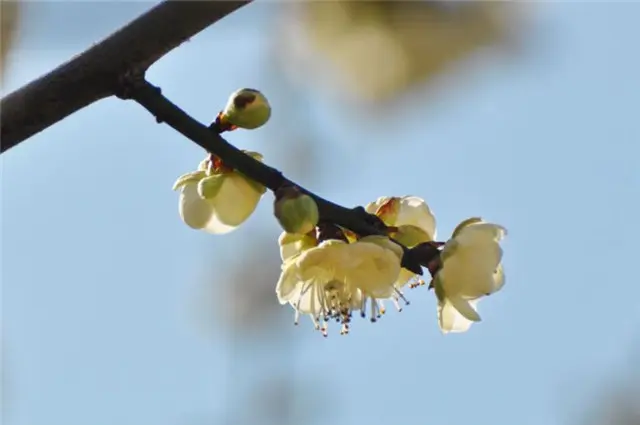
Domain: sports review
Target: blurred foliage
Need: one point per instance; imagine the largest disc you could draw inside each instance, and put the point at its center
(250, 292)
(9, 18)
(616, 402)
(380, 49)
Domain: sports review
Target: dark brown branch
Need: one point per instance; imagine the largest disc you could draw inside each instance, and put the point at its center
(165, 111)
(94, 74)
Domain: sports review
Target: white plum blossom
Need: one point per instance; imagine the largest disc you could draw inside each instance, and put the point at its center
(332, 280)
(412, 222)
(470, 270)
(217, 199)
(405, 211)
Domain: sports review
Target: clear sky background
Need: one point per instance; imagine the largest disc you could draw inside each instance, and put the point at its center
(99, 273)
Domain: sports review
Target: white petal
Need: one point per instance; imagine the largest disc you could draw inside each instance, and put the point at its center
(481, 232)
(372, 207)
(287, 283)
(194, 211)
(307, 300)
(464, 275)
(215, 227)
(465, 308)
(292, 244)
(498, 279)
(287, 243)
(329, 254)
(416, 212)
(372, 268)
(386, 243)
(236, 200)
(404, 277)
(450, 319)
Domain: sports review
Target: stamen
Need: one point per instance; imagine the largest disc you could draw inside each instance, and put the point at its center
(395, 303)
(373, 317)
(401, 296)
(418, 282)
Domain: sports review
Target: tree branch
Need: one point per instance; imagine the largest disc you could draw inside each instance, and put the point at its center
(165, 111)
(95, 73)
(150, 97)
(117, 65)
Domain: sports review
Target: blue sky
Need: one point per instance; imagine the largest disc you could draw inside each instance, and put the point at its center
(99, 274)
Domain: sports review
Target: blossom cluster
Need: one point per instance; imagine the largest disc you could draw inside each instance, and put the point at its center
(334, 278)
(330, 273)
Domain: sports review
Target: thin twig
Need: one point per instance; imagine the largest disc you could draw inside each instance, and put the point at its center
(355, 219)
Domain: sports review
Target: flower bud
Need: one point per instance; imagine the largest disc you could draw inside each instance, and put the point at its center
(296, 212)
(246, 108)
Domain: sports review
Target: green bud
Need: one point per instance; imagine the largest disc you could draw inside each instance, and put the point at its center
(188, 178)
(209, 186)
(296, 212)
(247, 108)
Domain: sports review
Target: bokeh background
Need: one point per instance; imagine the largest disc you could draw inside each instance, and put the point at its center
(527, 114)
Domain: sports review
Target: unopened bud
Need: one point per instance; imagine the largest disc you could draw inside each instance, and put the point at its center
(246, 108)
(296, 212)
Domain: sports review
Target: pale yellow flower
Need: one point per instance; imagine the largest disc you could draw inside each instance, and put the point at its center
(336, 278)
(217, 199)
(471, 269)
(414, 223)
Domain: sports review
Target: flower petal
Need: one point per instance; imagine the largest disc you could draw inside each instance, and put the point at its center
(415, 211)
(236, 200)
(467, 275)
(292, 244)
(498, 279)
(373, 269)
(194, 211)
(404, 277)
(464, 307)
(192, 177)
(372, 207)
(449, 318)
(287, 287)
